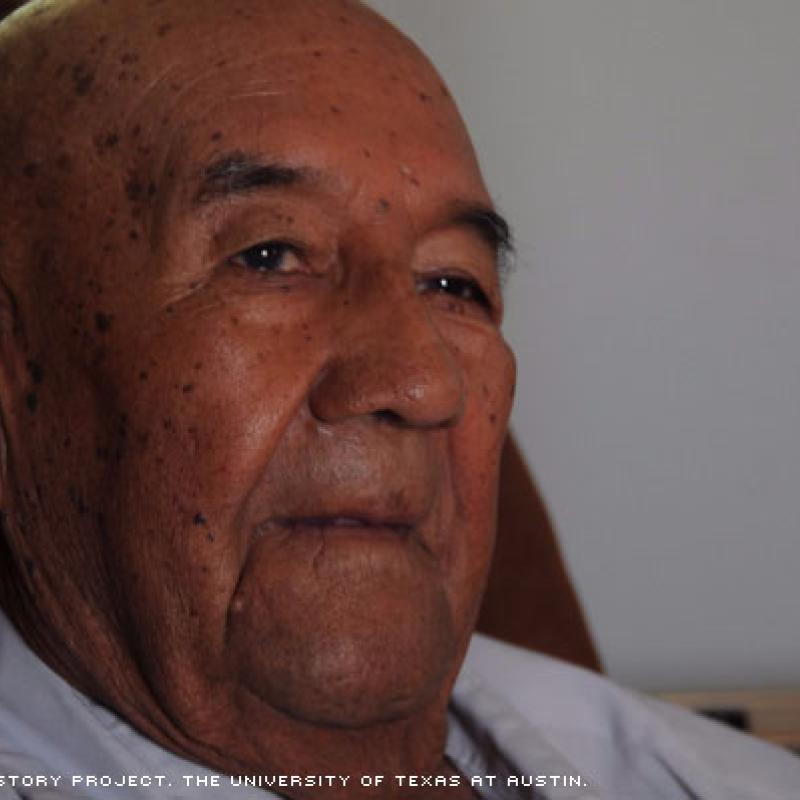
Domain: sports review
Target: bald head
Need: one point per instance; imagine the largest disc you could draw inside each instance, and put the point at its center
(84, 82)
(255, 396)
(105, 94)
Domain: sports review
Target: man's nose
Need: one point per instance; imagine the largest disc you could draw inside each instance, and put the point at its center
(390, 360)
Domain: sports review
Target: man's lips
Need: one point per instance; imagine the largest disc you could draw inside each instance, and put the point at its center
(360, 524)
(347, 521)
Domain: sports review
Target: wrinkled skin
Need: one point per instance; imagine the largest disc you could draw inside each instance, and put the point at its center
(168, 406)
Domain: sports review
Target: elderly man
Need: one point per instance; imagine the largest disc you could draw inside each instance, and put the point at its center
(253, 394)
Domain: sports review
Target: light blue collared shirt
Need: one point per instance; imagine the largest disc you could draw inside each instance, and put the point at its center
(521, 725)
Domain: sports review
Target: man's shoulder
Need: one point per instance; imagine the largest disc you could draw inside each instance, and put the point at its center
(613, 734)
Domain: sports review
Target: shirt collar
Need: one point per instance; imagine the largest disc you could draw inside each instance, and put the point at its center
(68, 734)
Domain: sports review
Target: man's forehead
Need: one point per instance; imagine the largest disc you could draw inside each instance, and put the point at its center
(193, 111)
(91, 36)
(100, 60)
(98, 73)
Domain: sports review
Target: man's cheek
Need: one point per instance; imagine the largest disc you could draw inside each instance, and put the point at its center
(490, 376)
(200, 431)
(216, 412)
(475, 450)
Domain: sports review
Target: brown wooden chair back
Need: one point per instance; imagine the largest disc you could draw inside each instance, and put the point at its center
(530, 600)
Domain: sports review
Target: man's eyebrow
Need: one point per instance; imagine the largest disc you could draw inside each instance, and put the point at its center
(492, 227)
(238, 173)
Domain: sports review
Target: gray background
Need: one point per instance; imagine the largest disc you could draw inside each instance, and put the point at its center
(648, 155)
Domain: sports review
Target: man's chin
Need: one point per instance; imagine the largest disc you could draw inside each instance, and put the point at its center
(349, 634)
(377, 671)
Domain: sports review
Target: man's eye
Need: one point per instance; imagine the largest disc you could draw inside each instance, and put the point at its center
(273, 256)
(461, 288)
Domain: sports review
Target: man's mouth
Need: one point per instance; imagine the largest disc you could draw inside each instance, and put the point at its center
(346, 522)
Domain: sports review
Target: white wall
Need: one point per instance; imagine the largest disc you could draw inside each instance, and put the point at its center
(648, 153)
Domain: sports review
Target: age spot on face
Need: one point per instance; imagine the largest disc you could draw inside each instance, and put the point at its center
(134, 189)
(102, 321)
(36, 371)
(82, 78)
(103, 142)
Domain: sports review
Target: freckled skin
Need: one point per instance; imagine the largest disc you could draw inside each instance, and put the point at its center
(194, 402)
